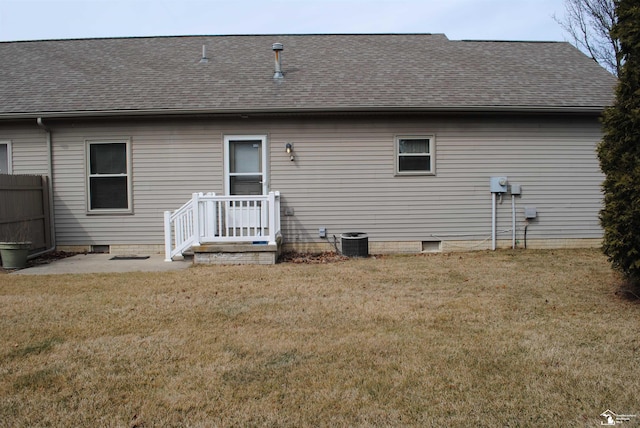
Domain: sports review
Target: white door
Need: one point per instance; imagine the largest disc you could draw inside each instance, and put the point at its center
(245, 174)
(245, 159)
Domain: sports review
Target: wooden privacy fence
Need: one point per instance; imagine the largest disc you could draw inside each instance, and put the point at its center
(24, 210)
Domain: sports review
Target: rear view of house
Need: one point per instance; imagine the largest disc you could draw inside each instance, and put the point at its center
(422, 143)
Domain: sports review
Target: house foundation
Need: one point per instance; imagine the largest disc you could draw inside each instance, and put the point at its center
(235, 254)
(268, 254)
(410, 247)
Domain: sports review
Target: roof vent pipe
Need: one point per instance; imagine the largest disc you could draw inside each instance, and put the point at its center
(204, 58)
(277, 48)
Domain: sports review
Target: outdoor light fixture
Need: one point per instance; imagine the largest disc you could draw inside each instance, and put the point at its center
(289, 149)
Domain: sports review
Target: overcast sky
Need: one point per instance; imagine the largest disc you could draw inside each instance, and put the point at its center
(458, 19)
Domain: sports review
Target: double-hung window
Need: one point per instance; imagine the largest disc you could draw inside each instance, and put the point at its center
(108, 176)
(415, 155)
(5, 157)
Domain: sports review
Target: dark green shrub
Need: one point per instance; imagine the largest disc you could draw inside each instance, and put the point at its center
(619, 151)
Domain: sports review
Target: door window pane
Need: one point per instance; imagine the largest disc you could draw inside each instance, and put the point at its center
(246, 185)
(245, 156)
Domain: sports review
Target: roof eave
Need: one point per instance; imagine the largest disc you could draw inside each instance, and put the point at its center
(299, 110)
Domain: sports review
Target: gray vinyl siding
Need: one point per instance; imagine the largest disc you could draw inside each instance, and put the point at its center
(168, 164)
(343, 177)
(28, 148)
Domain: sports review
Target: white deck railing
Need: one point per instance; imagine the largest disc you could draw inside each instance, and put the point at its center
(208, 218)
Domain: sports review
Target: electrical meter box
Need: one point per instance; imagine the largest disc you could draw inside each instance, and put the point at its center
(498, 184)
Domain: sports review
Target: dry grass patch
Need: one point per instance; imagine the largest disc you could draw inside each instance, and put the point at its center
(485, 339)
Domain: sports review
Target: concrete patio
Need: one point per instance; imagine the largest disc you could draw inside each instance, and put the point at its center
(104, 263)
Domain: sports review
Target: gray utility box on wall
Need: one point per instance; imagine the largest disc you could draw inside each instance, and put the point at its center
(355, 244)
(530, 212)
(498, 184)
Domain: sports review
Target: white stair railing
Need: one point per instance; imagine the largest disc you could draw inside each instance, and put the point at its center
(179, 228)
(208, 218)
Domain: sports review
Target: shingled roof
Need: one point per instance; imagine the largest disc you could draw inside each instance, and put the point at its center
(384, 72)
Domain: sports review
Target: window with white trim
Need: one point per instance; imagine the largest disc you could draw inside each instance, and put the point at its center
(415, 155)
(108, 176)
(5, 157)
